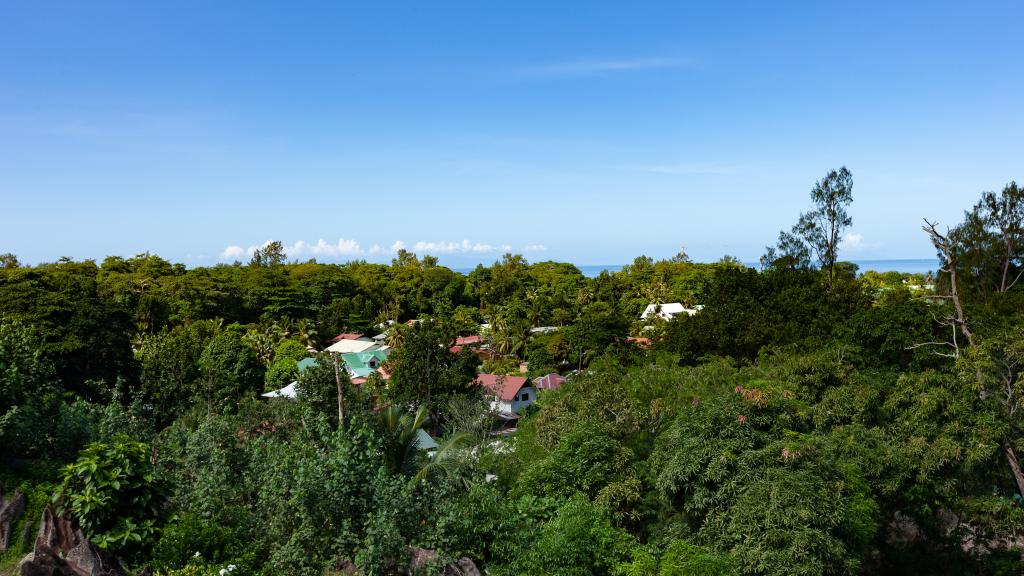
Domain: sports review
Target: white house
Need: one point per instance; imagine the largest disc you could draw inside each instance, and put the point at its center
(668, 311)
(510, 393)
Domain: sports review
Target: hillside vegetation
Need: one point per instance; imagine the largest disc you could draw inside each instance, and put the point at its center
(808, 420)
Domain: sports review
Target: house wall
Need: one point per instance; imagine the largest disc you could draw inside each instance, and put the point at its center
(518, 405)
(501, 405)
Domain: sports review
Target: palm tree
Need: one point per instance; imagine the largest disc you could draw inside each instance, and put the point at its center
(305, 330)
(395, 336)
(400, 428)
(263, 343)
(402, 454)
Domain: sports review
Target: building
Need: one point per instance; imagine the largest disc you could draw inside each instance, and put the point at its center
(291, 391)
(510, 393)
(473, 340)
(668, 311)
(352, 346)
(641, 342)
(288, 391)
(349, 336)
(362, 364)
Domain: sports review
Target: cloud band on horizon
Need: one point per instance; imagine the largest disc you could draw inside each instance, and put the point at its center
(351, 248)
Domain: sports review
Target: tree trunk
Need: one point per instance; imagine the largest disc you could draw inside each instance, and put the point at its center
(341, 393)
(1018, 476)
(961, 318)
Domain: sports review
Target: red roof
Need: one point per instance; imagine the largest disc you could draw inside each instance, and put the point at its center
(467, 340)
(641, 342)
(502, 386)
(552, 381)
(347, 336)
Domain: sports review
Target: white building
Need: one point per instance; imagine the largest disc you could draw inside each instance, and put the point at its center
(668, 311)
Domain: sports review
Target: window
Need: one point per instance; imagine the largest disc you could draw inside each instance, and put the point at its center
(526, 396)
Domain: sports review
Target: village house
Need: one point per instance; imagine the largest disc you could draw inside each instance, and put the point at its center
(353, 344)
(639, 341)
(358, 365)
(362, 364)
(667, 311)
(510, 393)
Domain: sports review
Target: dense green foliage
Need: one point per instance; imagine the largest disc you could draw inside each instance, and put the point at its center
(111, 492)
(807, 420)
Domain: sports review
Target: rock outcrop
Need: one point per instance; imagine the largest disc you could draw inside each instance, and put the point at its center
(62, 550)
(420, 558)
(464, 567)
(10, 511)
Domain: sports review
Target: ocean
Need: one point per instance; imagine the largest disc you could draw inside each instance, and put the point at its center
(910, 266)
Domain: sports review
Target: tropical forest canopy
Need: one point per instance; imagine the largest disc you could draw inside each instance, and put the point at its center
(807, 420)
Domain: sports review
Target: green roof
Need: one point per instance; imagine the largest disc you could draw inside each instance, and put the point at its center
(423, 440)
(362, 364)
(306, 363)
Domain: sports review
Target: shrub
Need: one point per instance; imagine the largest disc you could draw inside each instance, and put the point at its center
(110, 492)
(190, 539)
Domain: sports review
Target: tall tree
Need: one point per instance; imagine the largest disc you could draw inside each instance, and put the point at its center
(823, 227)
(271, 254)
(817, 233)
(230, 369)
(9, 261)
(991, 241)
(423, 369)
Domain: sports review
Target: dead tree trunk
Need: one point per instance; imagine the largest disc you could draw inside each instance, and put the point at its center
(1018, 476)
(947, 250)
(341, 393)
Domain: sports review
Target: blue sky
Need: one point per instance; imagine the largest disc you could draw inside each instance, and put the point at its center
(588, 132)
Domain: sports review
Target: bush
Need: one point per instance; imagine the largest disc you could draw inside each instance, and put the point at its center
(110, 492)
(579, 541)
(190, 539)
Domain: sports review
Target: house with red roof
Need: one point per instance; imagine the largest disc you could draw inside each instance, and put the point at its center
(510, 393)
(468, 340)
(475, 343)
(641, 342)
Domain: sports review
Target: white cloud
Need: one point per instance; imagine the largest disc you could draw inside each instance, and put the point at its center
(852, 240)
(585, 67)
(322, 248)
(349, 248)
(453, 247)
(232, 252)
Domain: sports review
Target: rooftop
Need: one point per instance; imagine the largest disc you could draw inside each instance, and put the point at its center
(502, 386)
